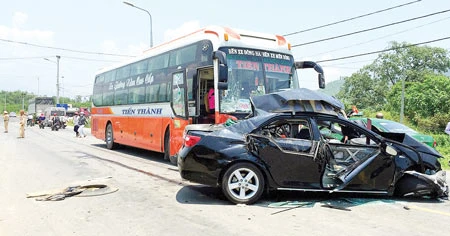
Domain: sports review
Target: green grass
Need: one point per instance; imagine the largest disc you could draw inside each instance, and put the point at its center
(443, 147)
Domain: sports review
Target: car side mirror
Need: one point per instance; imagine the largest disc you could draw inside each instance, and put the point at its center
(390, 150)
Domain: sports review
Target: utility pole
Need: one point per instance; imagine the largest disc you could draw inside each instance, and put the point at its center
(402, 106)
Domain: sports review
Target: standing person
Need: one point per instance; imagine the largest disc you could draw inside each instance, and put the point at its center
(23, 120)
(29, 120)
(379, 115)
(6, 120)
(81, 124)
(447, 129)
(76, 119)
(211, 101)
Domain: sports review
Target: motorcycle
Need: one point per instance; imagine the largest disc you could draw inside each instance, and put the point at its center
(30, 123)
(41, 124)
(56, 125)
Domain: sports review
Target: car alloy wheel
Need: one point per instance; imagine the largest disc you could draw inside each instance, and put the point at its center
(243, 183)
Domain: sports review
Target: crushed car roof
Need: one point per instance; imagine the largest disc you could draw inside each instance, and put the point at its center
(297, 100)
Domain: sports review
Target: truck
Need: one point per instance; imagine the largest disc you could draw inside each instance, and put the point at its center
(37, 106)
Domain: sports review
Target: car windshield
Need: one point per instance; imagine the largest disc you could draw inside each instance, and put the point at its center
(395, 127)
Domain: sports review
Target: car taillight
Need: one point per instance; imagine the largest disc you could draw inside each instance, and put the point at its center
(434, 144)
(191, 140)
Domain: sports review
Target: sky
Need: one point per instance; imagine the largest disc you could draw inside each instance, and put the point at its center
(92, 34)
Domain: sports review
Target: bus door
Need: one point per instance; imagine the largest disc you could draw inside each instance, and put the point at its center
(205, 97)
(179, 105)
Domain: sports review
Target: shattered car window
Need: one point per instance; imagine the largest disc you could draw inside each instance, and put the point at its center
(290, 135)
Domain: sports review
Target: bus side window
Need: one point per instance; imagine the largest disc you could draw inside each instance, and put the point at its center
(152, 93)
(162, 93)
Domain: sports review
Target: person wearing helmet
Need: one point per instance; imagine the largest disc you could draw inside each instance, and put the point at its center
(76, 119)
(6, 120)
(379, 115)
(81, 124)
(56, 122)
(22, 122)
(41, 120)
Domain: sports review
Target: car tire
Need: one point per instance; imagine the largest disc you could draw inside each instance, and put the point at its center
(413, 186)
(243, 183)
(109, 138)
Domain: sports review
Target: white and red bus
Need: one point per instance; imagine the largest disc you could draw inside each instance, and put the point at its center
(147, 102)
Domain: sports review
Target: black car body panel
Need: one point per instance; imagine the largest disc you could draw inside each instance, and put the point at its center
(291, 151)
(291, 101)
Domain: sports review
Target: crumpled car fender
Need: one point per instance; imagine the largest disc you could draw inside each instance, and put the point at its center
(437, 181)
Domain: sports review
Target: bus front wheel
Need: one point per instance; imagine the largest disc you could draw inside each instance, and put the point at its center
(109, 138)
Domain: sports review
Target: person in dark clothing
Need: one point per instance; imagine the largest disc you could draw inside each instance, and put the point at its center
(81, 124)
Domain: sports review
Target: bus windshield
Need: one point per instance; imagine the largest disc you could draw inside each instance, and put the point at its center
(252, 73)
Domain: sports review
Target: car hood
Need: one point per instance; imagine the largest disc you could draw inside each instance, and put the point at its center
(294, 101)
(410, 141)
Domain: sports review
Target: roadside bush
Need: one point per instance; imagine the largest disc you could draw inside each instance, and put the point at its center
(443, 147)
(434, 124)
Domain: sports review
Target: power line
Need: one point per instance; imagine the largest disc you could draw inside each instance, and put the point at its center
(374, 28)
(64, 49)
(346, 63)
(42, 57)
(23, 58)
(385, 50)
(353, 18)
(87, 59)
(400, 32)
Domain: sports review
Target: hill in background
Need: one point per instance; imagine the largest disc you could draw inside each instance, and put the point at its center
(333, 87)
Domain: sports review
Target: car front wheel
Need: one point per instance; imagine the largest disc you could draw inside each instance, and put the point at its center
(413, 186)
(243, 183)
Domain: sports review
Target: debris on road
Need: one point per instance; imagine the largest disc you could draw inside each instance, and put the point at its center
(78, 190)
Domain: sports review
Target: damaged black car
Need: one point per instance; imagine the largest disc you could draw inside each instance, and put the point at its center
(300, 140)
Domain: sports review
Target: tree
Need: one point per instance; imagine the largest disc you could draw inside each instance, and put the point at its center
(369, 87)
(363, 91)
(410, 63)
(423, 100)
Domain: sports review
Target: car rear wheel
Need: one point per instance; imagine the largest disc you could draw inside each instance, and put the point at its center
(243, 183)
(109, 138)
(413, 186)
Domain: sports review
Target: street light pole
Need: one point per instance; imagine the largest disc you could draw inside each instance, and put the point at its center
(57, 76)
(23, 101)
(151, 35)
(57, 79)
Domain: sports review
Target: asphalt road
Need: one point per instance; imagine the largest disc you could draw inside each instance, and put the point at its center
(153, 200)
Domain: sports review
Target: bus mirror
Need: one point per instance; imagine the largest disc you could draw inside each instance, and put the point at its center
(223, 73)
(222, 86)
(316, 67)
(223, 69)
(221, 56)
(321, 81)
